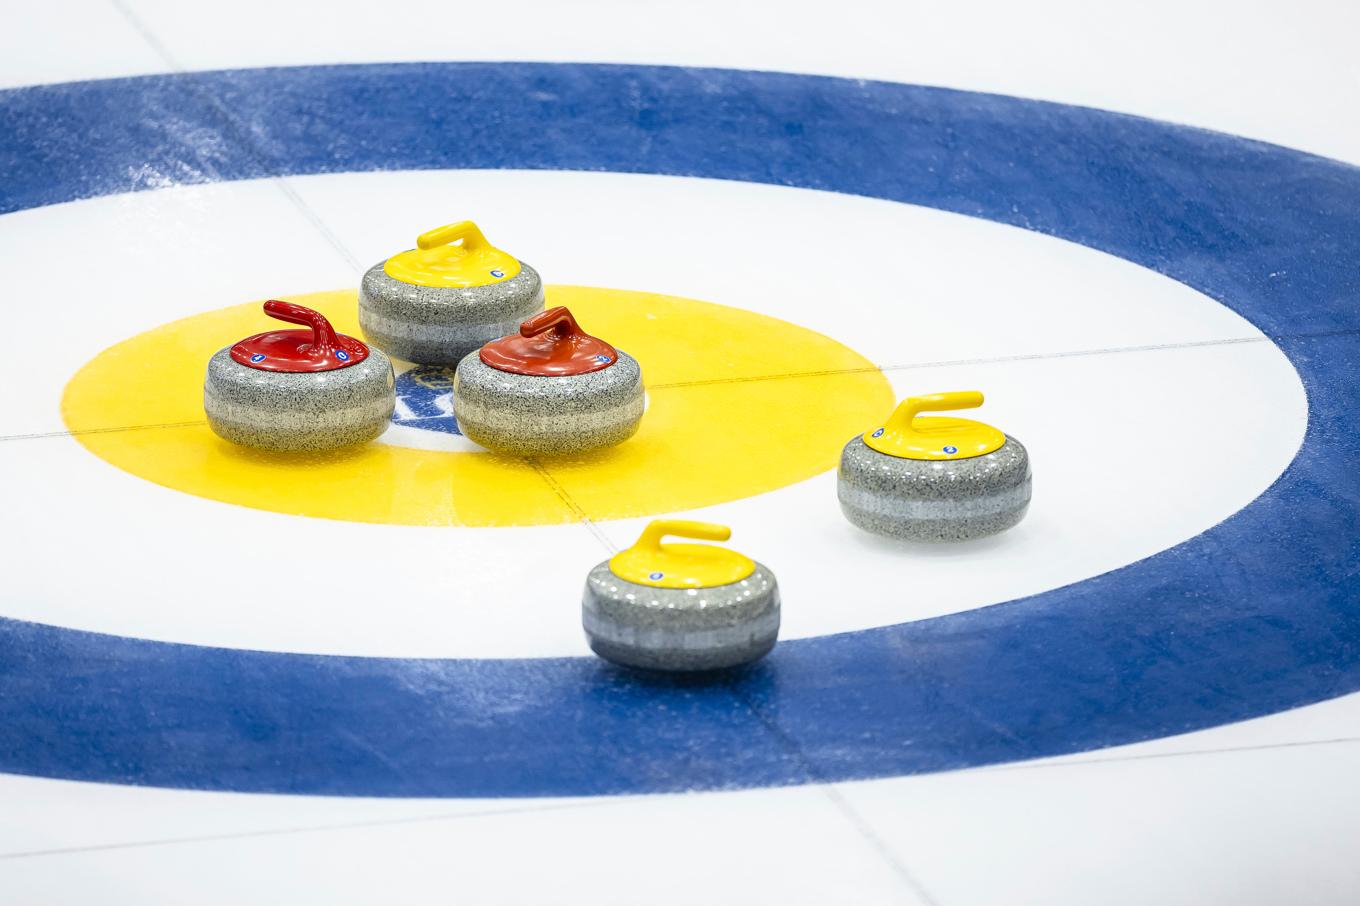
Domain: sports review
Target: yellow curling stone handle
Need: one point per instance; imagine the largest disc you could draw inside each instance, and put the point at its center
(649, 562)
(906, 436)
(438, 261)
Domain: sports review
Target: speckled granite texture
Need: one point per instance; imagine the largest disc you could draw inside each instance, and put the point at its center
(316, 411)
(934, 500)
(438, 325)
(548, 416)
(680, 629)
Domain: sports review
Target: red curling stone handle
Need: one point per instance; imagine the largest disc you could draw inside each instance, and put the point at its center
(298, 351)
(558, 319)
(550, 344)
(323, 335)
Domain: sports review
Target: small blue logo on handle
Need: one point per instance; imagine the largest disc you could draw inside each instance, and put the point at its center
(655, 576)
(951, 450)
(342, 355)
(878, 433)
(603, 358)
(498, 273)
(257, 357)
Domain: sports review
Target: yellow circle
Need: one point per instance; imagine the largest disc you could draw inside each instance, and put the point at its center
(738, 404)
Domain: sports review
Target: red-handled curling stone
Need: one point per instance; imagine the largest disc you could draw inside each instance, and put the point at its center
(550, 390)
(299, 389)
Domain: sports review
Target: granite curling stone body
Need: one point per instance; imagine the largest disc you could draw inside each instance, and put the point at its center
(681, 607)
(440, 301)
(932, 478)
(549, 390)
(299, 389)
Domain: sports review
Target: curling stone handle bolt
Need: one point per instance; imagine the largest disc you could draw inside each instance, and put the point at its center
(681, 528)
(465, 230)
(908, 409)
(558, 319)
(323, 335)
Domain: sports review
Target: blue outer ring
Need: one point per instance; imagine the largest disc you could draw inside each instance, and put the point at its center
(1253, 616)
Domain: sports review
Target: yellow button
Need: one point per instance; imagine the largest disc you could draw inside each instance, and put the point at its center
(703, 442)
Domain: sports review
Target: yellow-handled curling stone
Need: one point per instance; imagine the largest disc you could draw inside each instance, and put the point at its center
(443, 299)
(551, 389)
(681, 607)
(934, 478)
(299, 389)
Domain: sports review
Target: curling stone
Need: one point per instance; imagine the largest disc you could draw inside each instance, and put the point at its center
(681, 607)
(551, 389)
(443, 299)
(299, 389)
(934, 478)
